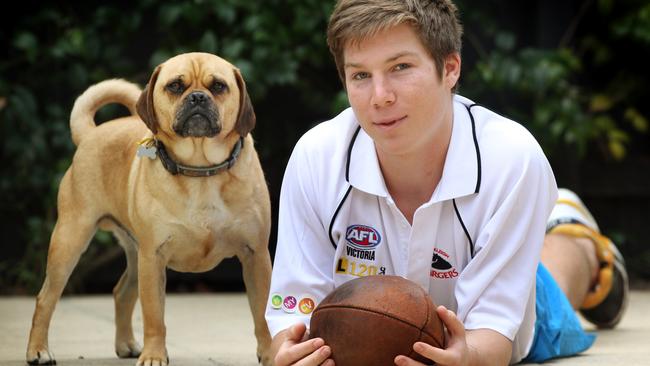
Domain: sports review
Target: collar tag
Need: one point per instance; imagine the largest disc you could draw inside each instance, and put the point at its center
(147, 148)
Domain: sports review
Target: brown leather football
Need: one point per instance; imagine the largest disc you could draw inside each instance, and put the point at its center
(370, 320)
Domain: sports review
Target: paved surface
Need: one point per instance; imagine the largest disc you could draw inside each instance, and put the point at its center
(217, 329)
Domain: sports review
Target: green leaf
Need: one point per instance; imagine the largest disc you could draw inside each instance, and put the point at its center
(232, 49)
(226, 13)
(28, 43)
(605, 6)
(638, 121)
(600, 103)
(169, 14)
(505, 41)
(208, 42)
(158, 58)
(617, 149)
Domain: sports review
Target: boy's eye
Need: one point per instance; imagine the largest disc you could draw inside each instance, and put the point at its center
(402, 67)
(360, 76)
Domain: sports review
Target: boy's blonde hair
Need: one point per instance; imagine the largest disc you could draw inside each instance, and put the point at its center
(435, 21)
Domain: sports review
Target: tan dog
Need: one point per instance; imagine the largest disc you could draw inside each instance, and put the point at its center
(199, 198)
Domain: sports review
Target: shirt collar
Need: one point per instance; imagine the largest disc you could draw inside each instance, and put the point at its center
(461, 173)
(364, 170)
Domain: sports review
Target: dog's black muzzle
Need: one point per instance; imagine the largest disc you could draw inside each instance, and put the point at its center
(197, 117)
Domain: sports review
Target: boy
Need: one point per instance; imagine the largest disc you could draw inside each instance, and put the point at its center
(414, 180)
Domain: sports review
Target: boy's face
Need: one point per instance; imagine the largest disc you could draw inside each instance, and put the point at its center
(395, 91)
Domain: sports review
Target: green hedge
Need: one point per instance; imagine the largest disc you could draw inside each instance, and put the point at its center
(573, 96)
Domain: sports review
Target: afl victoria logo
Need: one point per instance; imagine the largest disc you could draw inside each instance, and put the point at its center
(362, 237)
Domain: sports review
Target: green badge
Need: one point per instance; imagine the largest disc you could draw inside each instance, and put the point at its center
(276, 301)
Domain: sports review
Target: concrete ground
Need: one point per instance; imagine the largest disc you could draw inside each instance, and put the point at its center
(217, 329)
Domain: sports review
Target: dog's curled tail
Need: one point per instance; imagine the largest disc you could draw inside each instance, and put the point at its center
(82, 117)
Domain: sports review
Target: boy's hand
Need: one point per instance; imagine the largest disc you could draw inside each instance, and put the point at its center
(463, 348)
(456, 352)
(294, 348)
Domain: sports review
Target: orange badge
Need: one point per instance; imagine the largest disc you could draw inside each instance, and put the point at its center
(306, 305)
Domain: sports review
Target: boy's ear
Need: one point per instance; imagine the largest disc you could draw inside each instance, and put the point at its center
(451, 72)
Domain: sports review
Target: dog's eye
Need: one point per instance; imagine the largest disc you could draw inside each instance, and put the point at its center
(218, 87)
(176, 87)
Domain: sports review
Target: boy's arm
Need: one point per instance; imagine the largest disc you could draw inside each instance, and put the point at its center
(488, 347)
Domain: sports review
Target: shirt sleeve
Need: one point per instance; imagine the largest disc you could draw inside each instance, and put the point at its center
(302, 269)
(495, 288)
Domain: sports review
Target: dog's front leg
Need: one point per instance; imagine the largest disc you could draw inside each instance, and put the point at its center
(256, 266)
(151, 283)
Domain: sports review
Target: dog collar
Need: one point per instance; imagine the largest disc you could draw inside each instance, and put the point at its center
(194, 171)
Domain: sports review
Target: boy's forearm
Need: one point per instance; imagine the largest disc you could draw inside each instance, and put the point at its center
(488, 348)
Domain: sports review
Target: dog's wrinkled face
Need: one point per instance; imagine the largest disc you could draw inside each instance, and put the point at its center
(197, 115)
(196, 95)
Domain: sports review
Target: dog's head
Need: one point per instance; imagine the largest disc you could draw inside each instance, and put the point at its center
(196, 95)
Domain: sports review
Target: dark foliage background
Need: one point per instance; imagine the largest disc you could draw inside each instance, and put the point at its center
(574, 72)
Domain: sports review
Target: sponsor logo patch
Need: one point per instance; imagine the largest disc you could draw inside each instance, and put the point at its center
(362, 237)
(353, 268)
(439, 263)
(440, 266)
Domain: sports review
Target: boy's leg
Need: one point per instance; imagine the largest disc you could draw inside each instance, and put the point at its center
(580, 269)
(573, 264)
(585, 264)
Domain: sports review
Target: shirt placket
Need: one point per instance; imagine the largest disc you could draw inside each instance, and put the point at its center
(421, 242)
(399, 230)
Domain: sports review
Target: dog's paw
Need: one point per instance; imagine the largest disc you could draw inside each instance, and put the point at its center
(128, 349)
(264, 354)
(42, 356)
(264, 360)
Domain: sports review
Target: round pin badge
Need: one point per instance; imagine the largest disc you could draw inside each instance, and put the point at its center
(306, 304)
(289, 304)
(276, 301)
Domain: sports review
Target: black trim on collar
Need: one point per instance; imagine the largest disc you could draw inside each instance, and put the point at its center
(347, 179)
(336, 213)
(347, 165)
(193, 171)
(478, 151)
(469, 238)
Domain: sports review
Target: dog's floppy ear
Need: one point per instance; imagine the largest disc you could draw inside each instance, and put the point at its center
(145, 105)
(246, 116)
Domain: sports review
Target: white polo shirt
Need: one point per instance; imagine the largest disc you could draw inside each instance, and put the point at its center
(474, 246)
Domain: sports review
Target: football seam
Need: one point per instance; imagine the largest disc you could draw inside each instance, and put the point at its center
(420, 329)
